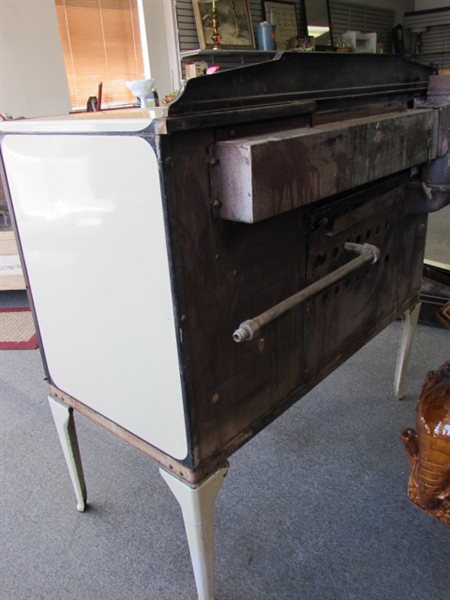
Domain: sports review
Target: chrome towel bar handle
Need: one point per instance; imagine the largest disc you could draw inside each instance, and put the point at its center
(251, 328)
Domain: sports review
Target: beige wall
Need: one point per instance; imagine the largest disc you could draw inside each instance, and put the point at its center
(161, 43)
(32, 76)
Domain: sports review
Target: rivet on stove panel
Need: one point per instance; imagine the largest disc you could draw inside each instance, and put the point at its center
(217, 257)
(261, 344)
(234, 273)
(183, 318)
(215, 399)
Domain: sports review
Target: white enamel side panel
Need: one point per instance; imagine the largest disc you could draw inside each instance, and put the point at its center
(90, 221)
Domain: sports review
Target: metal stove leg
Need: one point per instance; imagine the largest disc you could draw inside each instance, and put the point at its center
(197, 505)
(409, 322)
(65, 426)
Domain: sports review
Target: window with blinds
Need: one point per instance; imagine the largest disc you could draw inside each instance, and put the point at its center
(101, 43)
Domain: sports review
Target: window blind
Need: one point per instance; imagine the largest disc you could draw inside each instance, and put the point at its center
(347, 16)
(434, 47)
(101, 43)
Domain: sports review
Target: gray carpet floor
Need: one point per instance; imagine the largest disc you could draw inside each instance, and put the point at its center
(314, 508)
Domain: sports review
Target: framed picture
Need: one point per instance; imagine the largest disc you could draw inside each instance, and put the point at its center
(283, 16)
(235, 24)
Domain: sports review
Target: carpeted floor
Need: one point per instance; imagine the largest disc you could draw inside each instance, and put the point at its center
(314, 508)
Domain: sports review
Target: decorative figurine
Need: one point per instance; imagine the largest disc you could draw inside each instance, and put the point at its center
(428, 448)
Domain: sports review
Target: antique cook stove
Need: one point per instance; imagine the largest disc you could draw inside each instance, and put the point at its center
(193, 272)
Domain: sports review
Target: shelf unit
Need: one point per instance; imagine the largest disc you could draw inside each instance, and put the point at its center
(226, 59)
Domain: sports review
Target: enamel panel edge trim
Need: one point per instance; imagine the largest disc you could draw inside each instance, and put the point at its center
(112, 121)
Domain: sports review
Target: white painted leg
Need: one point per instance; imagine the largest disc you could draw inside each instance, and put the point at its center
(65, 426)
(409, 322)
(197, 505)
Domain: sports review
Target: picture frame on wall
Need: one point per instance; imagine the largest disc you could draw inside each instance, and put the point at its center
(283, 15)
(235, 26)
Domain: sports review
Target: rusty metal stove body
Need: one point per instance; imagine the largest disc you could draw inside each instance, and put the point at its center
(264, 182)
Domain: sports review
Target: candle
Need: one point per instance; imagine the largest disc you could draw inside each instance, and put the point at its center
(214, 6)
